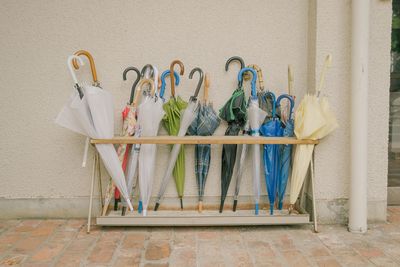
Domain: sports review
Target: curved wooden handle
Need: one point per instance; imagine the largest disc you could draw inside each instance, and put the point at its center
(91, 61)
(139, 89)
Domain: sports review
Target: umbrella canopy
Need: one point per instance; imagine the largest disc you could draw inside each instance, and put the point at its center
(285, 150)
(150, 113)
(90, 112)
(235, 114)
(314, 120)
(271, 154)
(205, 124)
(256, 117)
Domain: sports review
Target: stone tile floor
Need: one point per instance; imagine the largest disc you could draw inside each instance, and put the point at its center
(65, 243)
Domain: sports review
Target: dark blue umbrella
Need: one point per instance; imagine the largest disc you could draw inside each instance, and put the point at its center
(285, 150)
(271, 128)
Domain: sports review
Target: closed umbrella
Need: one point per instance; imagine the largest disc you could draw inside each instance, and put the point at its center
(90, 111)
(205, 124)
(271, 128)
(314, 120)
(150, 113)
(235, 114)
(186, 118)
(285, 150)
(244, 148)
(148, 71)
(256, 117)
(128, 129)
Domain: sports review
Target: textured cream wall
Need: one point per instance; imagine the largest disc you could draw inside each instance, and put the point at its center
(40, 160)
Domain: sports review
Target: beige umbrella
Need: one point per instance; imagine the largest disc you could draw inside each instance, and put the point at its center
(314, 120)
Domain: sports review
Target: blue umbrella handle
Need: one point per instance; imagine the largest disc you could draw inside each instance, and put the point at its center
(253, 80)
(163, 83)
(272, 95)
(291, 100)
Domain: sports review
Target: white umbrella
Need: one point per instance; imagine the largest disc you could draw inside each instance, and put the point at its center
(256, 117)
(91, 113)
(150, 113)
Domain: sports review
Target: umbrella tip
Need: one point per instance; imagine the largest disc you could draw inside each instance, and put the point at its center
(156, 207)
(200, 206)
(271, 209)
(256, 209)
(140, 207)
(221, 207)
(116, 201)
(234, 204)
(181, 203)
(280, 205)
(123, 212)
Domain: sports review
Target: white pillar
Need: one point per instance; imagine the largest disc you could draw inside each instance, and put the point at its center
(359, 116)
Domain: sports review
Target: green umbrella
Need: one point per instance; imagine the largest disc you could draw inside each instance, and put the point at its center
(172, 121)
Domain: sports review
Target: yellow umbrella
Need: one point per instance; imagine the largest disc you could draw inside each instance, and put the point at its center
(313, 120)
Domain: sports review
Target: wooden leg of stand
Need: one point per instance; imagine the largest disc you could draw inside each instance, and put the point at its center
(91, 192)
(312, 177)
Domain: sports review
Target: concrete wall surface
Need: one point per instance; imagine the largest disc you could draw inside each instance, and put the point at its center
(40, 173)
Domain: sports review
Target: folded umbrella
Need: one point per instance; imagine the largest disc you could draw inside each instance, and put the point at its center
(256, 117)
(186, 118)
(150, 113)
(271, 128)
(235, 114)
(205, 124)
(243, 149)
(90, 112)
(314, 120)
(285, 150)
(128, 129)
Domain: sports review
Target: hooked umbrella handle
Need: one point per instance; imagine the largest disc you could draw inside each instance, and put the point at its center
(259, 76)
(272, 95)
(291, 101)
(253, 80)
(163, 83)
(92, 65)
(172, 78)
(200, 82)
(71, 70)
(134, 84)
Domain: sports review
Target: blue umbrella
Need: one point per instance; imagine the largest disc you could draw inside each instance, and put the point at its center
(285, 150)
(271, 128)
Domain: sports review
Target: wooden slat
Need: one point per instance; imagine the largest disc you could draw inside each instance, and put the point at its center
(193, 140)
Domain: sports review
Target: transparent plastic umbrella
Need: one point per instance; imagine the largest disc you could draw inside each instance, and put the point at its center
(256, 117)
(90, 111)
(314, 120)
(150, 113)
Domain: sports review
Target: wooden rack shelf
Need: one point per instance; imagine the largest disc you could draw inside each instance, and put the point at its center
(194, 140)
(207, 218)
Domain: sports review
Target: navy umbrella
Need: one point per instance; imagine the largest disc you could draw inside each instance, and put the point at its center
(285, 150)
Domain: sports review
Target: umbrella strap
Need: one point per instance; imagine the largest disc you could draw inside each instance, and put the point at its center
(254, 131)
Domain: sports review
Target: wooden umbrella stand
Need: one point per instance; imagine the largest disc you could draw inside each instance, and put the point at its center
(207, 217)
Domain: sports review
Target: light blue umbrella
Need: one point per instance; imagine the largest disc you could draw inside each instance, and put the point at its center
(271, 128)
(285, 150)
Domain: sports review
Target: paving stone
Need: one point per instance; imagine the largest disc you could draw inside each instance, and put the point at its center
(328, 263)
(157, 265)
(134, 241)
(295, 258)
(48, 252)
(183, 257)
(14, 259)
(157, 250)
